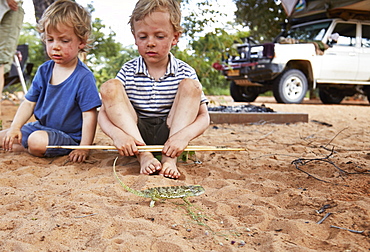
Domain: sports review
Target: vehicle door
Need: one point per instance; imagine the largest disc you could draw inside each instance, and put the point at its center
(340, 60)
(363, 73)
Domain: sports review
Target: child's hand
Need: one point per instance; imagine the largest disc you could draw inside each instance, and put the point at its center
(174, 146)
(126, 145)
(78, 155)
(13, 136)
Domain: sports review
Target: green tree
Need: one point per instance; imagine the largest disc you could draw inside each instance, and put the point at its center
(107, 55)
(199, 18)
(262, 17)
(30, 36)
(207, 50)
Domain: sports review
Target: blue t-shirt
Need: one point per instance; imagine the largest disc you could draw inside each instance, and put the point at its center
(61, 106)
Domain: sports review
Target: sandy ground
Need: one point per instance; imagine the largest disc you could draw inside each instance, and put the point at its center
(271, 197)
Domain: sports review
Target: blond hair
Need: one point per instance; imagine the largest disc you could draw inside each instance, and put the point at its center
(71, 14)
(144, 8)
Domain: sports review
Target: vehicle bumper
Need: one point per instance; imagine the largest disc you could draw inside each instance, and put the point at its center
(260, 73)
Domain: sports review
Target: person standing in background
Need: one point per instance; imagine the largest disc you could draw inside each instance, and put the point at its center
(11, 20)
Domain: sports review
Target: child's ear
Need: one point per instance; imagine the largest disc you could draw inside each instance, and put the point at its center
(176, 37)
(82, 45)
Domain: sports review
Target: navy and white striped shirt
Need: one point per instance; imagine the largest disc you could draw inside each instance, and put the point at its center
(149, 97)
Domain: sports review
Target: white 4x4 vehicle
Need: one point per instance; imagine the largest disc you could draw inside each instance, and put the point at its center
(332, 55)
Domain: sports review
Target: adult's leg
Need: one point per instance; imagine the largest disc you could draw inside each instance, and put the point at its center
(10, 27)
(1, 83)
(184, 111)
(119, 114)
(1, 77)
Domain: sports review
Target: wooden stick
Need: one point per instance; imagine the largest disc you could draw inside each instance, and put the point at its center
(149, 148)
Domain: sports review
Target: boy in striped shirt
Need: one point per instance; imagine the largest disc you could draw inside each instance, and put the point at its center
(155, 98)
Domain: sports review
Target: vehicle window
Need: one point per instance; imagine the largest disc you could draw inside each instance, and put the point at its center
(347, 34)
(365, 41)
(310, 32)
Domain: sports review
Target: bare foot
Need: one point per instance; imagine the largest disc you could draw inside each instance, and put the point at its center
(169, 168)
(148, 163)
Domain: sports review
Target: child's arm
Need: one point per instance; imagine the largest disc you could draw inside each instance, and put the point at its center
(181, 139)
(89, 121)
(24, 113)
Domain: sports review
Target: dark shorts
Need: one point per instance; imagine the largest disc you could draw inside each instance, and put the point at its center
(56, 137)
(154, 130)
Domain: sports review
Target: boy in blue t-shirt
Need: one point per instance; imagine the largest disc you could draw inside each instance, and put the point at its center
(63, 96)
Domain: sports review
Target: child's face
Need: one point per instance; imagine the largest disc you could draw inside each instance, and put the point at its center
(154, 37)
(63, 45)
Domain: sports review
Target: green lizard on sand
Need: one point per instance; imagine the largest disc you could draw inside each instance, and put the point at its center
(163, 192)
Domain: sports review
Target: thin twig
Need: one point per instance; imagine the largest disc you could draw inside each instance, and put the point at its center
(273, 154)
(83, 216)
(304, 161)
(272, 131)
(297, 162)
(350, 230)
(335, 136)
(322, 220)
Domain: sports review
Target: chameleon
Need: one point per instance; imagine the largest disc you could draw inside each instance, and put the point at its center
(162, 192)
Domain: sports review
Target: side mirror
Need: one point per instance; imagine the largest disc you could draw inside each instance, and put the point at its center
(333, 39)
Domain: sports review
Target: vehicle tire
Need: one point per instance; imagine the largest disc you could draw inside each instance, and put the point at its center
(367, 92)
(243, 93)
(330, 95)
(290, 87)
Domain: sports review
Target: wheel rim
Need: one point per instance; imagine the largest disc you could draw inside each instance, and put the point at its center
(293, 88)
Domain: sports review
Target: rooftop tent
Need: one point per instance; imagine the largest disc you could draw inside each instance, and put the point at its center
(345, 9)
(289, 6)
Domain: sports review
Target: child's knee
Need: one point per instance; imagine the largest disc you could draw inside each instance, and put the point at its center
(110, 88)
(37, 143)
(191, 85)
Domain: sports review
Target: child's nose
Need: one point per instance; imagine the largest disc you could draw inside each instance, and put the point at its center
(56, 46)
(151, 42)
